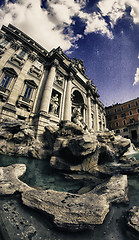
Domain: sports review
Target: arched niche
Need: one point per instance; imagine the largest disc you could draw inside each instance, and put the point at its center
(77, 98)
(77, 103)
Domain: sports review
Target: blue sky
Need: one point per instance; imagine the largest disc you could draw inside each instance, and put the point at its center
(103, 33)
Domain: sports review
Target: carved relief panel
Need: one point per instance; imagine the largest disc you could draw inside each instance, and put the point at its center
(59, 79)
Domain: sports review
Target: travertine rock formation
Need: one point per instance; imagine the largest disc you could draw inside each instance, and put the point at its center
(133, 219)
(74, 212)
(68, 211)
(9, 182)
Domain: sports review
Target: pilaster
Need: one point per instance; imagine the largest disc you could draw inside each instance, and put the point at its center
(67, 108)
(89, 110)
(48, 88)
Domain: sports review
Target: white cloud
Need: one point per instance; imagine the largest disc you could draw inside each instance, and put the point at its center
(136, 80)
(95, 23)
(47, 26)
(115, 9)
(37, 23)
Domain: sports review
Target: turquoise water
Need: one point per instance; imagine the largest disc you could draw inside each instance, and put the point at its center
(40, 175)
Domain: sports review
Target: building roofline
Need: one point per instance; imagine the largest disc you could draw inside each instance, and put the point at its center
(118, 104)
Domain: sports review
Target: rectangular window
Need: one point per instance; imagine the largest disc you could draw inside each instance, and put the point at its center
(116, 124)
(4, 43)
(22, 54)
(115, 110)
(122, 108)
(130, 112)
(131, 120)
(129, 105)
(115, 117)
(124, 122)
(108, 112)
(125, 130)
(108, 118)
(138, 110)
(5, 81)
(123, 114)
(38, 65)
(136, 103)
(117, 131)
(28, 92)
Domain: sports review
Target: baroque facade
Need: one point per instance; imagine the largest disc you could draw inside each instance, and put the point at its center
(124, 119)
(42, 87)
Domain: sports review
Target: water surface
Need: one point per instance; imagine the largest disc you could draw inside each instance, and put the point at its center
(40, 175)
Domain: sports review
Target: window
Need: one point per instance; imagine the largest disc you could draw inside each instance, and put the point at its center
(5, 81)
(4, 43)
(115, 117)
(138, 110)
(131, 120)
(116, 124)
(117, 131)
(108, 118)
(38, 65)
(27, 92)
(115, 110)
(125, 130)
(124, 122)
(130, 112)
(108, 112)
(129, 105)
(123, 114)
(22, 54)
(122, 108)
(136, 103)
(109, 126)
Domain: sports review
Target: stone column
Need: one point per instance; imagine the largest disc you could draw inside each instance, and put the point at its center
(48, 88)
(67, 108)
(84, 113)
(96, 117)
(89, 111)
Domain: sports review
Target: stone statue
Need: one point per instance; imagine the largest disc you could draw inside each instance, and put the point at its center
(54, 105)
(77, 117)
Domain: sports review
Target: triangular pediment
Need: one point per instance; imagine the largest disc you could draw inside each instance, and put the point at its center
(10, 71)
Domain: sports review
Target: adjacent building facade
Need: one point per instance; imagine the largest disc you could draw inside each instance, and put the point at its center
(124, 119)
(42, 87)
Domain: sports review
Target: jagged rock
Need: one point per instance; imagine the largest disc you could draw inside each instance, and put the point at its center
(9, 182)
(50, 135)
(12, 126)
(19, 137)
(5, 134)
(121, 145)
(68, 145)
(132, 219)
(114, 190)
(67, 128)
(74, 212)
(88, 151)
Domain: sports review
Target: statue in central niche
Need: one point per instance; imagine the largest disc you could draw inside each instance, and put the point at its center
(77, 117)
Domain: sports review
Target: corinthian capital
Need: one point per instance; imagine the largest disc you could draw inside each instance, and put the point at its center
(71, 76)
(55, 63)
